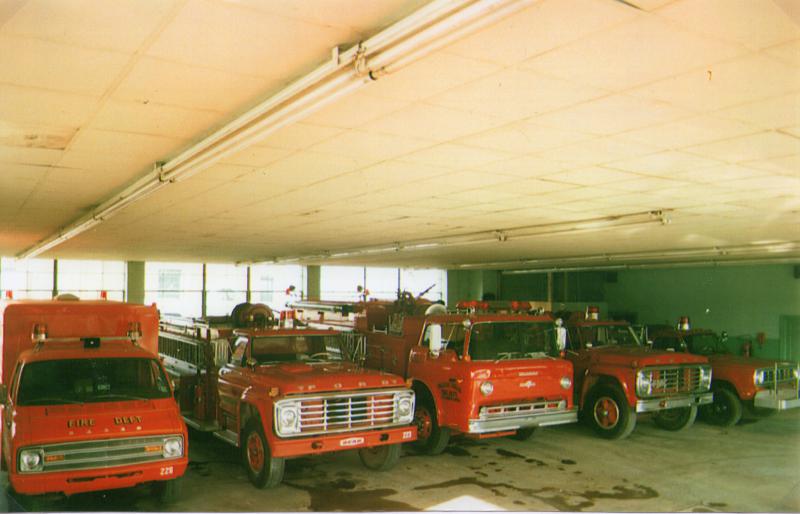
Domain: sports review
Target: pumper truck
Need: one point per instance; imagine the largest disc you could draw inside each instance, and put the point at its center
(277, 392)
(86, 403)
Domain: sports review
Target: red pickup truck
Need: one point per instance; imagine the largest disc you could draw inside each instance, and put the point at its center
(757, 386)
(278, 392)
(616, 377)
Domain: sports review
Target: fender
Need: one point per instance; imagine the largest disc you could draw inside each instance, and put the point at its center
(259, 403)
(742, 386)
(425, 388)
(624, 377)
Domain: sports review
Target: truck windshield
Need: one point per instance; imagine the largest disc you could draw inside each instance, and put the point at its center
(705, 344)
(608, 335)
(60, 382)
(274, 349)
(511, 340)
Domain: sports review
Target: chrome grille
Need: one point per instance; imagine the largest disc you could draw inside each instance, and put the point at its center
(522, 409)
(346, 412)
(103, 454)
(785, 375)
(675, 380)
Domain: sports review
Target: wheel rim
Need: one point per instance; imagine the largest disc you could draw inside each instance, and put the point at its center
(255, 452)
(720, 410)
(422, 417)
(606, 412)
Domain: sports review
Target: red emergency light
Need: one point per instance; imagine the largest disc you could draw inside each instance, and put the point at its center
(683, 323)
(39, 333)
(9, 295)
(593, 312)
(134, 331)
(104, 295)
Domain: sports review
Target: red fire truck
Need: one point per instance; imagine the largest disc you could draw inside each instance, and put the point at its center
(478, 373)
(616, 377)
(87, 405)
(757, 386)
(278, 392)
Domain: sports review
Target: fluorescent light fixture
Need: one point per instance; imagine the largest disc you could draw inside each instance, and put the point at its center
(426, 30)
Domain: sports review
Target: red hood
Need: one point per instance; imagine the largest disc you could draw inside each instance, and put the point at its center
(300, 377)
(727, 360)
(68, 423)
(637, 356)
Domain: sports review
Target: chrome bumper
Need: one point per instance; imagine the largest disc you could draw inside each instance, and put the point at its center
(482, 426)
(785, 399)
(657, 404)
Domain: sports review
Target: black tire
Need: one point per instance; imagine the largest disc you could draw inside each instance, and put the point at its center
(431, 438)
(380, 458)
(608, 412)
(169, 491)
(726, 410)
(523, 434)
(263, 469)
(676, 420)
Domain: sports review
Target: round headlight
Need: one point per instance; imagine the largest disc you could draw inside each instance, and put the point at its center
(30, 460)
(758, 376)
(487, 388)
(404, 407)
(566, 382)
(288, 417)
(173, 447)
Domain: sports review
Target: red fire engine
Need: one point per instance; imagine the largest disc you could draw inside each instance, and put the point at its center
(475, 372)
(279, 392)
(616, 377)
(87, 405)
(758, 386)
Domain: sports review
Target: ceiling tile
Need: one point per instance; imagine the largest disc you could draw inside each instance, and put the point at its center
(355, 110)
(432, 122)
(58, 67)
(46, 108)
(688, 132)
(368, 146)
(753, 23)
(155, 119)
(754, 147)
(664, 163)
(789, 165)
(454, 156)
(388, 174)
(773, 113)
(540, 28)
(256, 156)
(523, 137)
(515, 94)
(717, 175)
(163, 82)
(612, 115)
(788, 53)
(122, 25)
(631, 54)
(591, 176)
(304, 168)
(594, 152)
(528, 166)
(731, 83)
(34, 156)
(299, 136)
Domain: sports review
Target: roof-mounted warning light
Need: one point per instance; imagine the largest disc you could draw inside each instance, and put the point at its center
(39, 333)
(472, 306)
(683, 323)
(9, 294)
(104, 295)
(593, 312)
(134, 331)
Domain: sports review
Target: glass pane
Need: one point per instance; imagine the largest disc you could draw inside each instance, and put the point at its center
(382, 283)
(175, 287)
(30, 278)
(86, 279)
(268, 284)
(416, 281)
(340, 283)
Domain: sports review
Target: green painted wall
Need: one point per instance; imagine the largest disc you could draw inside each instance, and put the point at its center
(313, 281)
(743, 300)
(135, 291)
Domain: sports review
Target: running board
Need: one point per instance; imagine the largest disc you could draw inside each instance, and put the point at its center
(228, 436)
(201, 426)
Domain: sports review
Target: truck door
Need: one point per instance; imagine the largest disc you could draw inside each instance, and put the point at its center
(233, 379)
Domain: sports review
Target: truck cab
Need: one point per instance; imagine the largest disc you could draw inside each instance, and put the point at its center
(287, 392)
(87, 404)
(740, 384)
(476, 373)
(616, 377)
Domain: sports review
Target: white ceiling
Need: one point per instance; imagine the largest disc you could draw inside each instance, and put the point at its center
(569, 110)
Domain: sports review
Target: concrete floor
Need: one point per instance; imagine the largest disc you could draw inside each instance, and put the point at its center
(753, 467)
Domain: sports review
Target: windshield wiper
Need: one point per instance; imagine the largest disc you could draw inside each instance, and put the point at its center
(53, 401)
(117, 395)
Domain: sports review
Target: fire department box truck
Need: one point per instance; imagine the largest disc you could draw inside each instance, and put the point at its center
(87, 405)
(277, 392)
(617, 377)
(741, 384)
(477, 373)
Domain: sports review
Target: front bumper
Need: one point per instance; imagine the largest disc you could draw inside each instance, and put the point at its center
(73, 482)
(505, 423)
(785, 399)
(674, 402)
(297, 447)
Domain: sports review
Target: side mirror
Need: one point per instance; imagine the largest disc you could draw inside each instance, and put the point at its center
(435, 338)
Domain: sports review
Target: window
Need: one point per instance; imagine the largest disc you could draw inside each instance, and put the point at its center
(268, 284)
(86, 279)
(176, 288)
(226, 286)
(29, 278)
(433, 282)
(340, 283)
